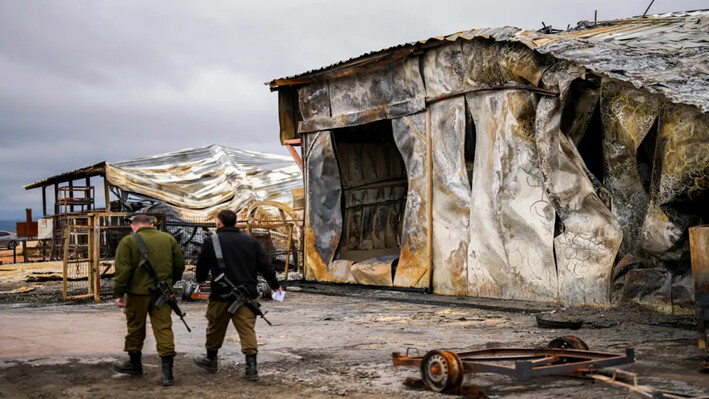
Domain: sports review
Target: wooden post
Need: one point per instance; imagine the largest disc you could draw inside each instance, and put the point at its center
(56, 198)
(88, 184)
(107, 194)
(429, 238)
(288, 249)
(44, 200)
(296, 156)
(71, 195)
(65, 266)
(24, 250)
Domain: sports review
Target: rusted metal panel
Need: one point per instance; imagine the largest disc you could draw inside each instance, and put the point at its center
(385, 92)
(314, 100)
(510, 254)
(451, 197)
(323, 221)
(287, 116)
(699, 242)
(410, 137)
(389, 111)
(444, 69)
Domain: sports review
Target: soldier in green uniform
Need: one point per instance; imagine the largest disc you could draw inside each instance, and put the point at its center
(132, 290)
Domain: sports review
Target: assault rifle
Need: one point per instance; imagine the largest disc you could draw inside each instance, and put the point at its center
(240, 296)
(162, 288)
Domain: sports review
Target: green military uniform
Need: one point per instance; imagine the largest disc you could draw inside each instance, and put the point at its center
(244, 321)
(165, 255)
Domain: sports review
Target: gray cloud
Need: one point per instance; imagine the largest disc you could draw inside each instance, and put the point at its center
(84, 82)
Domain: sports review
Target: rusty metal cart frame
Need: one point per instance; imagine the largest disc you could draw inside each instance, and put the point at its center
(444, 370)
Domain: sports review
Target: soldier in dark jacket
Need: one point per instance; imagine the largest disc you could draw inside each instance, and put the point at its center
(132, 290)
(244, 257)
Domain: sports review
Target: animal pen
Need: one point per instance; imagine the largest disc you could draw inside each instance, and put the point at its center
(551, 166)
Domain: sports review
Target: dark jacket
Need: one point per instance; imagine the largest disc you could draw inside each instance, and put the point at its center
(244, 258)
(164, 254)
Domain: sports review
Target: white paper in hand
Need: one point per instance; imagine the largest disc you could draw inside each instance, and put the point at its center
(278, 296)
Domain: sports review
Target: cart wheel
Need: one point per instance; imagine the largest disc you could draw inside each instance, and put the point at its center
(568, 342)
(442, 370)
(188, 290)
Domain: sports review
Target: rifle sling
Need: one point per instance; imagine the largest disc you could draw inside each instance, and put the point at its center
(218, 252)
(144, 250)
(141, 245)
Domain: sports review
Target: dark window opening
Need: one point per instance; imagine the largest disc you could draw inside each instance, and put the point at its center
(469, 151)
(645, 156)
(581, 99)
(591, 145)
(374, 191)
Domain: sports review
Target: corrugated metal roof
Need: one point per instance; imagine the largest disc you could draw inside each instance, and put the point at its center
(76, 174)
(665, 53)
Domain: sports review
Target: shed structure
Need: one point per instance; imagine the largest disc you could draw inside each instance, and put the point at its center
(508, 163)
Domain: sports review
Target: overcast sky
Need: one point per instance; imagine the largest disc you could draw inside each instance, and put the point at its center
(87, 81)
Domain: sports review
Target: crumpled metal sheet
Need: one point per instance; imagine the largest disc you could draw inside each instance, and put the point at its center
(510, 253)
(410, 138)
(627, 114)
(680, 184)
(451, 197)
(198, 183)
(341, 270)
(375, 271)
(586, 246)
(323, 221)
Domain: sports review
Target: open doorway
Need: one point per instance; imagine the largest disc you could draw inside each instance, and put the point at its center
(374, 186)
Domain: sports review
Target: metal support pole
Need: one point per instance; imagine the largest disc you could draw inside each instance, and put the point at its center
(429, 238)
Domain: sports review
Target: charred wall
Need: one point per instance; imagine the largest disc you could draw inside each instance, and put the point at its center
(511, 174)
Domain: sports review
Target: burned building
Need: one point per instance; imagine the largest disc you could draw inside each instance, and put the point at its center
(508, 163)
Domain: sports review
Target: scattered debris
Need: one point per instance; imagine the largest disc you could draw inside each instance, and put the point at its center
(20, 290)
(555, 320)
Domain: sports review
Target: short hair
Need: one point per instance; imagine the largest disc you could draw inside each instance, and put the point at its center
(227, 217)
(141, 219)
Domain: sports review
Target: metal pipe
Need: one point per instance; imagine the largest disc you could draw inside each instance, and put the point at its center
(429, 238)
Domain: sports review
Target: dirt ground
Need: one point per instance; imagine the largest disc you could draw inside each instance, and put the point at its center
(326, 341)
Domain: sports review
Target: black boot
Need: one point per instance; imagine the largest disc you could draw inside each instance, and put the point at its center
(208, 362)
(133, 366)
(251, 372)
(167, 377)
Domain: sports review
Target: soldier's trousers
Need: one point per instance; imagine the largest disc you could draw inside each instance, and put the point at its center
(244, 321)
(138, 307)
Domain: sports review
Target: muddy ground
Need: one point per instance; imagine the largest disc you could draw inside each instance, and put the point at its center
(326, 341)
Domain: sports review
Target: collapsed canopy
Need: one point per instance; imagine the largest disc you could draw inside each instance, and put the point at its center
(199, 182)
